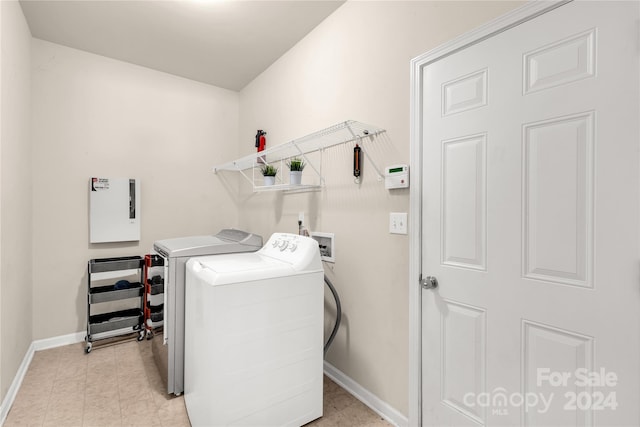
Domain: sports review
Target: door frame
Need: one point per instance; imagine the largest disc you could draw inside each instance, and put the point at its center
(527, 12)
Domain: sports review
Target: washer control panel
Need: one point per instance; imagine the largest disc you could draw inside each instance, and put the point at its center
(290, 247)
(284, 242)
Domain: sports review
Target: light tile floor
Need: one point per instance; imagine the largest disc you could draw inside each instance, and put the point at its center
(119, 385)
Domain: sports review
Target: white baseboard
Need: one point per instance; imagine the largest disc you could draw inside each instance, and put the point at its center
(36, 345)
(376, 404)
(54, 342)
(10, 397)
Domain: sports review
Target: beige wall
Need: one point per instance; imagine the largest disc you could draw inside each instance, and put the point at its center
(94, 116)
(15, 194)
(355, 65)
(2, 393)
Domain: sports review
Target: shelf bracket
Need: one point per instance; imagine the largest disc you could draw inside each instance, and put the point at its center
(380, 174)
(306, 159)
(245, 176)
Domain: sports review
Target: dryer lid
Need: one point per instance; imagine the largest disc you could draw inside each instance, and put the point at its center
(225, 241)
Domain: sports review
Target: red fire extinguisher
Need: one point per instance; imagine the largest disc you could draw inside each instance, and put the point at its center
(261, 140)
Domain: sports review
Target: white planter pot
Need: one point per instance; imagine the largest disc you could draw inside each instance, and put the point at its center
(269, 180)
(295, 177)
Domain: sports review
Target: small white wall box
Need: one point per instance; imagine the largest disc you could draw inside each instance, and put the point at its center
(396, 176)
(326, 241)
(114, 210)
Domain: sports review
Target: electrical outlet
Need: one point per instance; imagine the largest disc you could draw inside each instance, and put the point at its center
(398, 223)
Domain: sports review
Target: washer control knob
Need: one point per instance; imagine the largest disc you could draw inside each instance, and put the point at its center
(292, 247)
(275, 243)
(283, 245)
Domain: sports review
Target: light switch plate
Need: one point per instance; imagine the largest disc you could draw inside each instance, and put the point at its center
(398, 223)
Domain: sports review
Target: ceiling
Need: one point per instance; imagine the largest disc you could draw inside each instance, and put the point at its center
(226, 43)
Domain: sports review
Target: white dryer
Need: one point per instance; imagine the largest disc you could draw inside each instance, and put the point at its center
(254, 335)
(169, 353)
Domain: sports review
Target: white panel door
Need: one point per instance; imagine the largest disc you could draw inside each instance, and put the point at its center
(531, 185)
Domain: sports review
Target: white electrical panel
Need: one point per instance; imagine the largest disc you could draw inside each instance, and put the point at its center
(396, 176)
(114, 210)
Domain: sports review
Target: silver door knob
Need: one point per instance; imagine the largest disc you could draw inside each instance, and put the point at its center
(429, 282)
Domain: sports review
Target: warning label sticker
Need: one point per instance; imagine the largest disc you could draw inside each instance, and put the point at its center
(98, 184)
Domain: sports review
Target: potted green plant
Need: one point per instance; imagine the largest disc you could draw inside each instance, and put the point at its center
(296, 165)
(269, 173)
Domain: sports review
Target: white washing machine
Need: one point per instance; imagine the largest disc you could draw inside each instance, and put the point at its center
(254, 335)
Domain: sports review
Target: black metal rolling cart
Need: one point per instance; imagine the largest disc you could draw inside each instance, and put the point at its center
(125, 321)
